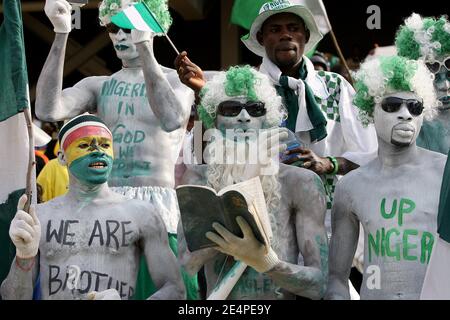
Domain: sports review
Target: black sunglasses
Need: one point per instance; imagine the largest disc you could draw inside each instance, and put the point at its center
(435, 66)
(232, 108)
(393, 104)
(112, 28)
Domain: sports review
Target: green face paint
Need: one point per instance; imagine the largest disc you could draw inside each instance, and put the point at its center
(86, 170)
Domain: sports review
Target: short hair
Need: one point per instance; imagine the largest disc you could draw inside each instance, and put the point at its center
(240, 81)
(423, 38)
(384, 75)
(159, 8)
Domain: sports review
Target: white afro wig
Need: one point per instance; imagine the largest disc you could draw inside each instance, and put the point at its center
(386, 75)
(240, 81)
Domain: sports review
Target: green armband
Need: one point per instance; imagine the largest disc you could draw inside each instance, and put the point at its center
(335, 165)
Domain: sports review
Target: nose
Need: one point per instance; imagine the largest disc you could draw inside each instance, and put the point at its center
(403, 113)
(443, 84)
(94, 145)
(243, 116)
(120, 35)
(285, 34)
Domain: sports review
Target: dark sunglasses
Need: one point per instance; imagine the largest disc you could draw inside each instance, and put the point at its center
(112, 28)
(393, 104)
(435, 66)
(233, 108)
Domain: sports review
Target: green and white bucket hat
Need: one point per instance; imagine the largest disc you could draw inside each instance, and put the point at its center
(267, 10)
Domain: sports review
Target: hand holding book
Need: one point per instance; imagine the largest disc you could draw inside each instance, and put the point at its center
(246, 249)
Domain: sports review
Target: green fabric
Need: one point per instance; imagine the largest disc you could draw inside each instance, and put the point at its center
(431, 137)
(315, 114)
(145, 286)
(330, 105)
(7, 248)
(444, 205)
(244, 12)
(13, 68)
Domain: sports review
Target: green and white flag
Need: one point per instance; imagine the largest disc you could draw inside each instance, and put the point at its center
(13, 131)
(137, 17)
(140, 17)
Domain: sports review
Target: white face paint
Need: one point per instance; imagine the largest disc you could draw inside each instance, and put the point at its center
(124, 46)
(242, 122)
(398, 128)
(442, 83)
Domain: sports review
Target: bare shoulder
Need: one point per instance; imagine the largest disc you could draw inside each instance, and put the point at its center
(437, 159)
(301, 186)
(360, 176)
(145, 214)
(292, 176)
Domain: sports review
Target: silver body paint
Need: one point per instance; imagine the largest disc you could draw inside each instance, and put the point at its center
(395, 195)
(145, 106)
(303, 267)
(438, 129)
(301, 240)
(97, 247)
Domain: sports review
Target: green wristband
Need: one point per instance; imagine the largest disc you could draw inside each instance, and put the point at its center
(335, 165)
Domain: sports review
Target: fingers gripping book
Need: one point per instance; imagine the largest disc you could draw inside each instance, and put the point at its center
(200, 206)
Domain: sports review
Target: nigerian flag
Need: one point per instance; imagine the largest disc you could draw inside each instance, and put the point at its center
(245, 11)
(13, 130)
(137, 17)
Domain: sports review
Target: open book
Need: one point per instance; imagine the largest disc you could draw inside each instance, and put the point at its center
(200, 206)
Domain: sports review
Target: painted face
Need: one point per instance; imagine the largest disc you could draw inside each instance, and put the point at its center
(284, 36)
(124, 46)
(90, 158)
(441, 70)
(399, 125)
(240, 115)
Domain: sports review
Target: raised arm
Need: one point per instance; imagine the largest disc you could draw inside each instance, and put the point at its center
(52, 103)
(310, 207)
(172, 110)
(25, 233)
(344, 240)
(162, 263)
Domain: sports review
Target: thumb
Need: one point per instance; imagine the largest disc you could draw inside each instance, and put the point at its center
(22, 202)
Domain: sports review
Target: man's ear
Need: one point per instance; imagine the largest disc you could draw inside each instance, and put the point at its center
(62, 158)
(259, 37)
(307, 35)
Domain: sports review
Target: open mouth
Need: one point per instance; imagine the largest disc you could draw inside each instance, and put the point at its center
(98, 165)
(121, 47)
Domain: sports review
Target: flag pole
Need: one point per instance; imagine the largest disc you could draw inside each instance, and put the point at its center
(171, 43)
(336, 44)
(31, 159)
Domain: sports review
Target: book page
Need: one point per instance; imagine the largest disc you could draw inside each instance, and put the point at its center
(253, 193)
(196, 186)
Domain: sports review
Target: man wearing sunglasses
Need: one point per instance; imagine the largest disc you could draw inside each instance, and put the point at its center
(144, 104)
(318, 103)
(428, 39)
(395, 197)
(242, 103)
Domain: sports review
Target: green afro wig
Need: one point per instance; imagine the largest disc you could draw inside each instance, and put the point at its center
(423, 38)
(386, 75)
(159, 8)
(240, 81)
